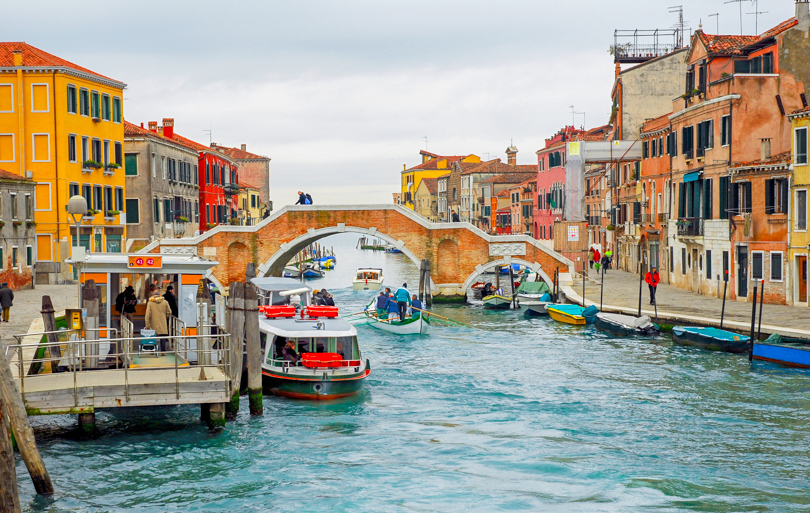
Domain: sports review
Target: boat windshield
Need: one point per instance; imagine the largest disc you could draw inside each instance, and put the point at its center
(345, 346)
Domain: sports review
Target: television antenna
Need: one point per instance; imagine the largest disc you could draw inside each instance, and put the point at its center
(426, 141)
(678, 9)
(209, 132)
(740, 2)
(756, 14)
(717, 17)
(573, 117)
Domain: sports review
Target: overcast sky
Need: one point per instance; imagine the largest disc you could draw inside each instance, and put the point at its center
(341, 94)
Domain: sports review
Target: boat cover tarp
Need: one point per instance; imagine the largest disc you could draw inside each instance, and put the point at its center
(712, 332)
(533, 287)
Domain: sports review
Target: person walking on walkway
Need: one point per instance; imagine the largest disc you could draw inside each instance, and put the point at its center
(303, 199)
(403, 298)
(6, 300)
(652, 280)
(157, 317)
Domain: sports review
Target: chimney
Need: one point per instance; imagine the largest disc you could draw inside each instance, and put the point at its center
(765, 149)
(18, 57)
(141, 124)
(244, 147)
(153, 126)
(511, 155)
(168, 127)
(803, 14)
(618, 70)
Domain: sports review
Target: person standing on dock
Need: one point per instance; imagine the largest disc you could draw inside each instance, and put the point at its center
(652, 280)
(403, 298)
(157, 317)
(171, 299)
(6, 300)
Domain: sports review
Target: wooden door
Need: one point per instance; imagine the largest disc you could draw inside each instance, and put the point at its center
(801, 264)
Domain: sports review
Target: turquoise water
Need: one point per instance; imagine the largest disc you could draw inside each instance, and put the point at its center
(509, 414)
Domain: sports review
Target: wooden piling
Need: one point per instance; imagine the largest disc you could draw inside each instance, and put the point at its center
(24, 435)
(87, 424)
(254, 351)
(216, 414)
(49, 322)
(9, 496)
(236, 328)
(90, 300)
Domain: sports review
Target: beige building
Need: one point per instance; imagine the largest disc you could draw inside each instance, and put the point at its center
(426, 199)
(254, 171)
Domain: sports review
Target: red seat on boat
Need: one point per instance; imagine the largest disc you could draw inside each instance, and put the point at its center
(274, 311)
(322, 311)
(313, 360)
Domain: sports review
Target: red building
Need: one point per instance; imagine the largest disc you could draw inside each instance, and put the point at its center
(218, 178)
(551, 182)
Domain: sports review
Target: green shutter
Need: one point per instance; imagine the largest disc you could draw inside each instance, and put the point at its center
(131, 165)
(707, 199)
(681, 200)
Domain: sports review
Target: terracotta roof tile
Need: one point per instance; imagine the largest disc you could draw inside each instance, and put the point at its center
(431, 164)
(432, 184)
(8, 175)
(497, 167)
(781, 158)
(732, 45)
(800, 111)
(240, 154)
(655, 124)
(510, 178)
(133, 129)
(35, 58)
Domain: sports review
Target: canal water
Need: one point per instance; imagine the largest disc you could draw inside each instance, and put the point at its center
(508, 414)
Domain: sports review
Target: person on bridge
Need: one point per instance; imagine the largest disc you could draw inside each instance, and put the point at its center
(454, 216)
(416, 306)
(403, 298)
(303, 199)
(6, 300)
(652, 280)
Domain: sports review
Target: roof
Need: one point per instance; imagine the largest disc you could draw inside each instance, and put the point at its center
(132, 130)
(239, 154)
(243, 185)
(33, 57)
(655, 124)
(594, 134)
(432, 184)
(197, 146)
(800, 113)
(735, 45)
(431, 164)
(8, 175)
(509, 178)
(503, 194)
(778, 160)
(495, 166)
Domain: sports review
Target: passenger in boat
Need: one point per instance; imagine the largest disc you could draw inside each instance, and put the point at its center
(382, 299)
(416, 306)
(487, 290)
(391, 306)
(326, 298)
(403, 298)
(317, 298)
(289, 352)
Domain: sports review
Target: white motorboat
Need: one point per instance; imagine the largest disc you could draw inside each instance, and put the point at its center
(368, 278)
(535, 297)
(417, 325)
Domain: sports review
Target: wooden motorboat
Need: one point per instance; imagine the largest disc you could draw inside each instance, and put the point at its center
(625, 325)
(368, 278)
(713, 339)
(534, 297)
(415, 325)
(330, 364)
(496, 302)
(793, 352)
(573, 314)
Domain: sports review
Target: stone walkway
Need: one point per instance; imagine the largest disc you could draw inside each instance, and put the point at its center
(28, 305)
(621, 293)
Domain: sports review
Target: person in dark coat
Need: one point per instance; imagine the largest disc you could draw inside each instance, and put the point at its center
(326, 298)
(454, 216)
(6, 300)
(289, 353)
(125, 301)
(171, 299)
(416, 306)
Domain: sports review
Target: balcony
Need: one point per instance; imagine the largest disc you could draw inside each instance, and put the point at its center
(690, 227)
(662, 218)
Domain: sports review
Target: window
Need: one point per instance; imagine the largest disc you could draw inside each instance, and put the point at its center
(645, 149)
(687, 141)
(106, 153)
(207, 173)
(85, 149)
(776, 196)
(745, 197)
(95, 106)
(118, 153)
(119, 199)
(757, 265)
(801, 146)
(130, 163)
(29, 256)
(154, 165)
(74, 190)
(108, 199)
(29, 207)
(167, 210)
(13, 205)
(72, 148)
(163, 167)
(709, 265)
(84, 102)
(156, 209)
(725, 130)
(705, 137)
(14, 256)
(97, 150)
(801, 209)
(87, 192)
(683, 261)
(116, 110)
(71, 99)
(133, 211)
(196, 178)
(97, 197)
(776, 266)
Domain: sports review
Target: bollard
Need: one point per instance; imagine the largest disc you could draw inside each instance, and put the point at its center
(254, 351)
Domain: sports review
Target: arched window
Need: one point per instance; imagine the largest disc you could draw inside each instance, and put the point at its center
(455, 194)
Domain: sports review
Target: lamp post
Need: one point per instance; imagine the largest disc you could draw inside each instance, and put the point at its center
(77, 208)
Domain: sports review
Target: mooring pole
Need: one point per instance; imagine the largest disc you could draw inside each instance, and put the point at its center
(723, 309)
(236, 328)
(761, 300)
(512, 284)
(753, 325)
(49, 323)
(640, 285)
(428, 290)
(18, 417)
(602, 289)
(9, 495)
(583, 286)
(254, 351)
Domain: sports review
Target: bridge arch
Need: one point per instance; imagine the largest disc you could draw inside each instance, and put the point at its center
(275, 264)
(481, 269)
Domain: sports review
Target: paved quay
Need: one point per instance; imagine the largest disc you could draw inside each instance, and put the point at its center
(678, 306)
(28, 306)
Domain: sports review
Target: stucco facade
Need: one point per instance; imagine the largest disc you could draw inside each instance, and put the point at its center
(17, 230)
(254, 171)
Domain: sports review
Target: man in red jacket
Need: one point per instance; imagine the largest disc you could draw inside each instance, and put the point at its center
(652, 280)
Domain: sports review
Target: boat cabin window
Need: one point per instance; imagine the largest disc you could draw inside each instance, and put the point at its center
(345, 346)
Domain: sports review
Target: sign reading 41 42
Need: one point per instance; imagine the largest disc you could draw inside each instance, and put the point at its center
(145, 262)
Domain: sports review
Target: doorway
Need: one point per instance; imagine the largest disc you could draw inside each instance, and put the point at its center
(742, 273)
(801, 268)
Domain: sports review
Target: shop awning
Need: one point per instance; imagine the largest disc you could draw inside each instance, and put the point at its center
(693, 176)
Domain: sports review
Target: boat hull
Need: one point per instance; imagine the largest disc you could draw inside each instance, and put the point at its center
(497, 303)
(367, 285)
(540, 308)
(716, 340)
(417, 327)
(613, 327)
(312, 389)
(567, 318)
(790, 354)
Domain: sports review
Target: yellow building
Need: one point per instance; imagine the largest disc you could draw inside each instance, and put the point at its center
(432, 166)
(62, 126)
(250, 205)
(799, 239)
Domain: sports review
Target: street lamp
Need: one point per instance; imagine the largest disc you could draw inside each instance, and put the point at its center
(77, 208)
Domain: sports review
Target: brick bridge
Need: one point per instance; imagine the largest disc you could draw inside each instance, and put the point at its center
(458, 252)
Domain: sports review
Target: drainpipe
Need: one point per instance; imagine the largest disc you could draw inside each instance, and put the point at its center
(56, 162)
(731, 260)
(20, 110)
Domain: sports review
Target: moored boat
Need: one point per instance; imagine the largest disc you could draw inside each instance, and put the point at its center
(794, 352)
(573, 314)
(291, 271)
(368, 278)
(534, 297)
(323, 361)
(313, 271)
(496, 302)
(625, 325)
(713, 339)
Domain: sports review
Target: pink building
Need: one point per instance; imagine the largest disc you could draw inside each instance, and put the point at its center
(551, 182)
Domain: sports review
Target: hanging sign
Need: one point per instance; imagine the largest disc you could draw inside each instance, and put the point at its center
(145, 262)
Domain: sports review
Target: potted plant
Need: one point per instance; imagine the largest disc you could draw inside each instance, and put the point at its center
(111, 213)
(182, 219)
(610, 227)
(2, 224)
(113, 165)
(16, 223)
(30, 224)
(91, 164)
(234, 221)
(210, 225)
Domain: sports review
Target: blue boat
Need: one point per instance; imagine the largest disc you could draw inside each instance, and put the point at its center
(515, 269)
(794, 352)
(713, 339)
(313, 273)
